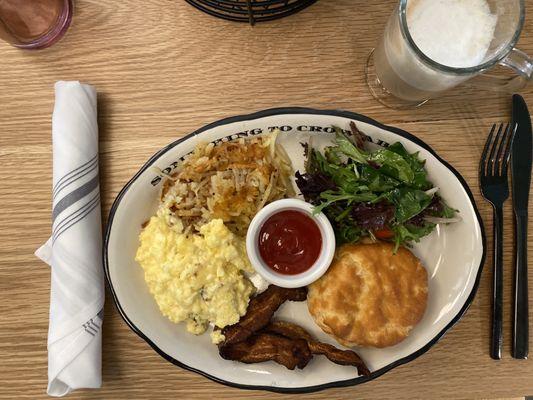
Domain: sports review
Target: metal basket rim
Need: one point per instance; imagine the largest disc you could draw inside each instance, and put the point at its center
(240, 12)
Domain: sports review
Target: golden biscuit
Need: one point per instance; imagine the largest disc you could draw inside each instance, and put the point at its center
(370, 296)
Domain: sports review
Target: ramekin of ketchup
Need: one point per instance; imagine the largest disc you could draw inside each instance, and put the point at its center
(288, 245)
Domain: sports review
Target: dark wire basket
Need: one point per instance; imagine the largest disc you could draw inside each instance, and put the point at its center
(251, 11)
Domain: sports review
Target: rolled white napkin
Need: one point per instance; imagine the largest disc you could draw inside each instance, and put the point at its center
(74, 250)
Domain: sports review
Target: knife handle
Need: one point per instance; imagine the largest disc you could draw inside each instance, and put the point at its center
(497, 286)
(521, 325)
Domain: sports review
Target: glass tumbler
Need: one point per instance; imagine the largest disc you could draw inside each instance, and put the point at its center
(400, 75)
(34, 24)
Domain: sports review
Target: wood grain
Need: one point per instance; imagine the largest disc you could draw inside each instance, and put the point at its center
(163, 69)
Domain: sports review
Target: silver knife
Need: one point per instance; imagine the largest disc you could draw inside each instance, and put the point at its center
(521, 173)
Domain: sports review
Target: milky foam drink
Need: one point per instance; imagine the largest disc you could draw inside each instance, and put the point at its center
(454, 33)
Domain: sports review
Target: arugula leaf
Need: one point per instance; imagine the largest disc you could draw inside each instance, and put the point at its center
(376, 181)
(420, 180)
(410, 233)
(347, 232)
(346, 177)
(412, 158)
(317, 163)
(333, 156)
(439, 208)
(344, 214)
(409, 202)
(363, 191)
(331, 197)
(447, 211)
(393, 165)
(346, 147)
(346, 229)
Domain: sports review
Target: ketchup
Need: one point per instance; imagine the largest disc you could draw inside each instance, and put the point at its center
(290, 242)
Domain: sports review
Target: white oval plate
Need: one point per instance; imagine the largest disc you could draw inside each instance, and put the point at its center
(453, 256)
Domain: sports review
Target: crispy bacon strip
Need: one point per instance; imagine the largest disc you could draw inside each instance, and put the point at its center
(338, 356)
(290, 353)
(256, 339)
(260, 310)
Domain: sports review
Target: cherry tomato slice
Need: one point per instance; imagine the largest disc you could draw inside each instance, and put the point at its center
(384, 234)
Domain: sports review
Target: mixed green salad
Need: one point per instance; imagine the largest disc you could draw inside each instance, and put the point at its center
(383, 194)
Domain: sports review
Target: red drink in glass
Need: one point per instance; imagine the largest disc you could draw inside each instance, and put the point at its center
(34, 24)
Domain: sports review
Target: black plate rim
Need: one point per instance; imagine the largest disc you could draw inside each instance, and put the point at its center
(310, 111)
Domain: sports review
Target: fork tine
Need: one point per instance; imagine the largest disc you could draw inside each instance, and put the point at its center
(490, 164)
(500, 156)
(483, 162)
(508, 149)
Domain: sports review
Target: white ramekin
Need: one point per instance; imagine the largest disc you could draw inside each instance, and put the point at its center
(317, 269)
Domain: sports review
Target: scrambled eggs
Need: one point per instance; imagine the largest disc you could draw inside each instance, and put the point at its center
(196, 278)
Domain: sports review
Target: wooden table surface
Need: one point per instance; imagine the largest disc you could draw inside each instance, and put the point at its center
(163, 69)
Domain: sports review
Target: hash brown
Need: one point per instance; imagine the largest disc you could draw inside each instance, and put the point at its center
(370, 296)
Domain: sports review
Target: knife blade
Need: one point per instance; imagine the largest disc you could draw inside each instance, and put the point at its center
(521, 180)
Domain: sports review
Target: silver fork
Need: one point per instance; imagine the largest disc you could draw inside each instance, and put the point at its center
(493, 169)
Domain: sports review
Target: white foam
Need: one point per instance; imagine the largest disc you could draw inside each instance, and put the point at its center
(456, 33)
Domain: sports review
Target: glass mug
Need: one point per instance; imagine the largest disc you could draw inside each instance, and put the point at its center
(400, 75)
(34, 24)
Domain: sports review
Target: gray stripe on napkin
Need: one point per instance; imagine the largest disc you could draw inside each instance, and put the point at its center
(94, 324)
(67, 175)
(97, 203)
(79, 215)
(89, 329)
(74, 196)
(75, 213)
(76, 177)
